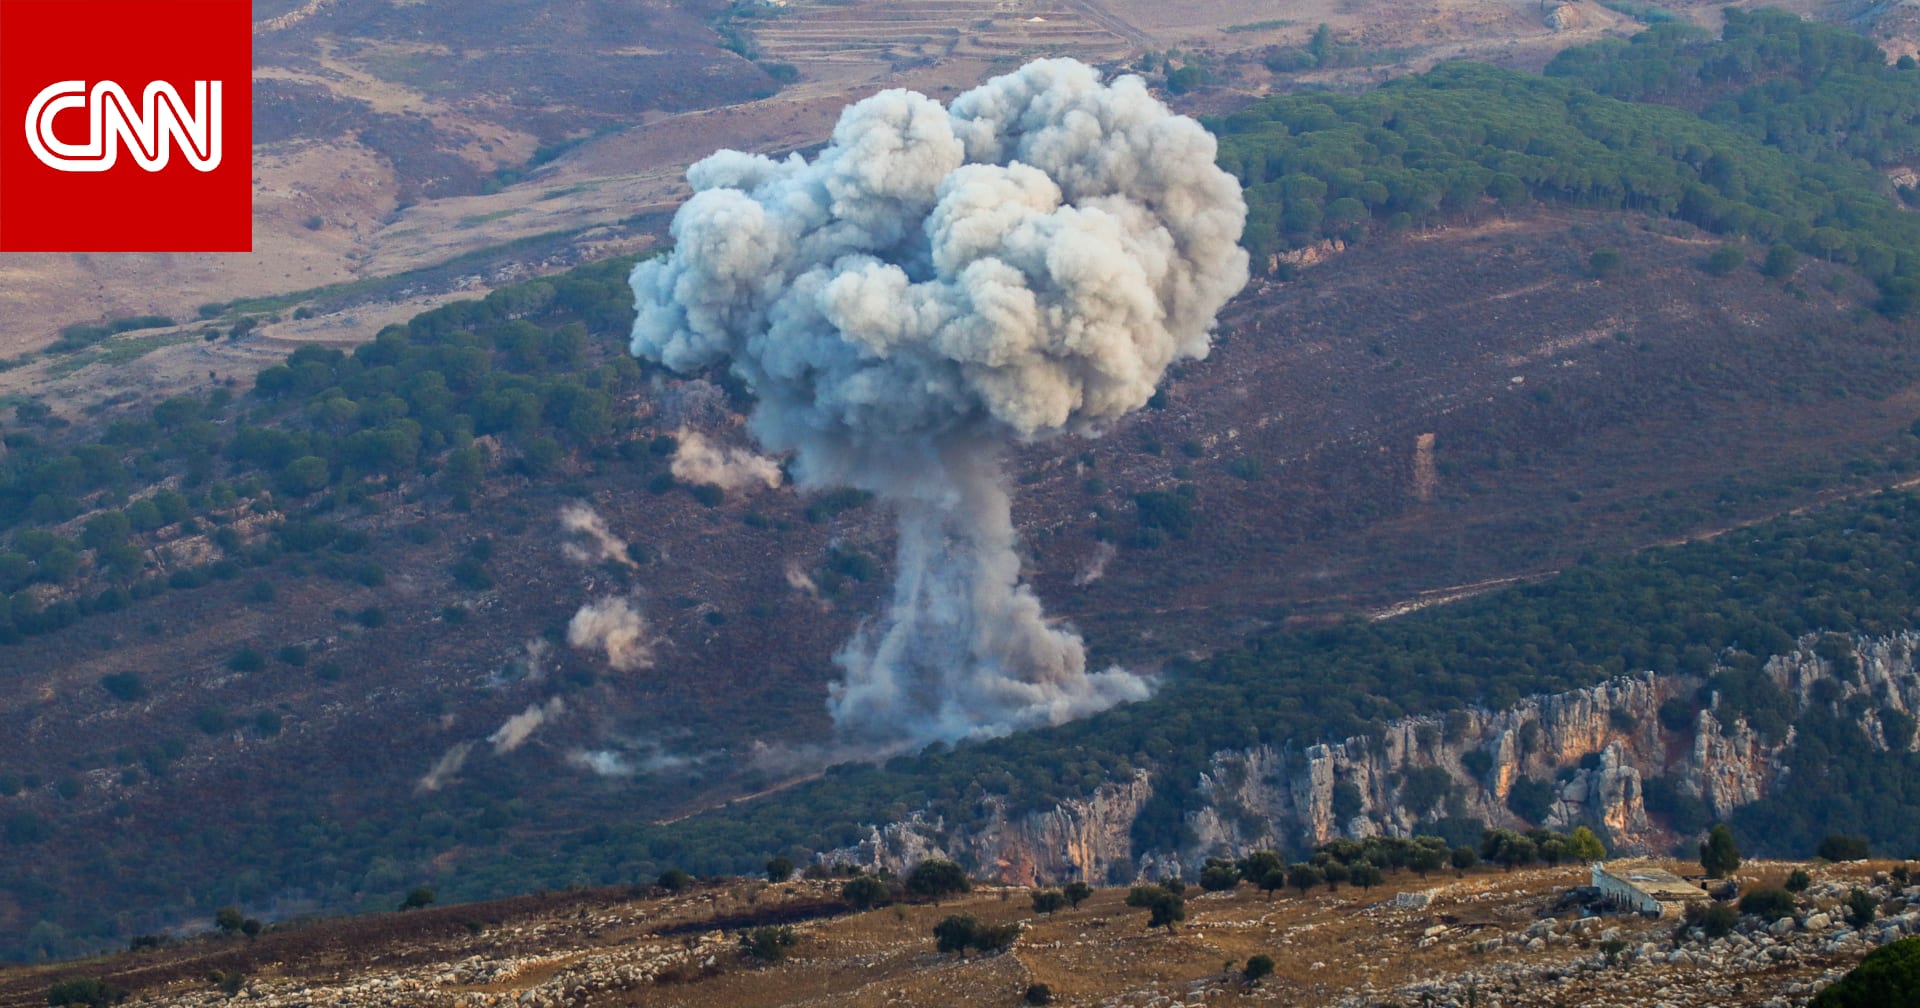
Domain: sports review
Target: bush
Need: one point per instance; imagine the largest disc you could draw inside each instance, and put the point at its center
(1835, 847)
(1046, 901)
(866, 892)
(1039, 994)
(124, 686)
(779, 869)
(1798, 881)
(417, 897)
(1767, 904)
(1725, 260)
(83, 991)
(767, 944)
(1715, 918)
(1862, 908)
(673, 880)
(1257, 967)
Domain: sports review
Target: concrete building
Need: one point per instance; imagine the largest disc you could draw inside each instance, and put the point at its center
(1643, 887)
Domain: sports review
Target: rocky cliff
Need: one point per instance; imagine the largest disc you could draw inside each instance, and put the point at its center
(1565, 759)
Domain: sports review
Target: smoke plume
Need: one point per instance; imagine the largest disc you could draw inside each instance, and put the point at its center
(614, 626)
(935, 284)
(592, 541)
(515, 731)
(697, 461)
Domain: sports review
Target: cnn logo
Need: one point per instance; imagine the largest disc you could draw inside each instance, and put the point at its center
(149, 131)
(127, 126)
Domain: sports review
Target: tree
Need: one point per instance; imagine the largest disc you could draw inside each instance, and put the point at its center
(955, 932)
(1046, 901)
(1462, 858)
(1075, 892)
(417, 897)
(1275, 879)
(1259, 864)
(1888, 977)
(1582, 845)
(1303, 876)
(865, 892)
(673, 880)
(1334, 873)
(1257, 967)
(1164, 906)
(1219, 875)
(1782, 260)
(936, 878)
(1835, 847)
(1718, 854)
(1365, 875)
(779, 869)
(228, 919)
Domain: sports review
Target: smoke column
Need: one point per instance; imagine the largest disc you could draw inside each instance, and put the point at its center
(936, 284)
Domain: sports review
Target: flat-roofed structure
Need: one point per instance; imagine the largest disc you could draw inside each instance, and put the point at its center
(1644, 887)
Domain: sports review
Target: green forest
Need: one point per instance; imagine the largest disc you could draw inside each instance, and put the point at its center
(1771, 135)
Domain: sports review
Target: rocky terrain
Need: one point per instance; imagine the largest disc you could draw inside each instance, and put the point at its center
(1598, 746)
(1486, 938)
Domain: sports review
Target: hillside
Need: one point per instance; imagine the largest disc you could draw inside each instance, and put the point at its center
(1490, 938)
(374, 562)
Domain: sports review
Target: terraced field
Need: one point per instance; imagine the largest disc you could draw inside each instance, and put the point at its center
(863, 31)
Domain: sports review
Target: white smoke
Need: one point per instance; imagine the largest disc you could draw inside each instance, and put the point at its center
(593, 542)
(614, 626)
(935, 284)
(698, 461)
(445, 767)
(601, 761)
(1096, 565)
(515, 731)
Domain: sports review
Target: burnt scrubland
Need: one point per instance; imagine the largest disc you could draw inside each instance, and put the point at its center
(244, 625)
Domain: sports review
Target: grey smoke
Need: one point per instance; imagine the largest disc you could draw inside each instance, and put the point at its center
(935, 284)
(698, 460)
(614, 626)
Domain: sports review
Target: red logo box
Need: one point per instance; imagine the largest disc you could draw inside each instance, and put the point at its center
(126, 126)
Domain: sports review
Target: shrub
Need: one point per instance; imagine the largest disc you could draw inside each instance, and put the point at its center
(1725, 260)
(124, 686)
(767, 944)
(1767, 904)
(1256, 968)
(1039, 994)
(1835, 847)
(673, 880)
(83, 991)
(1798, 881)
(418, 896)
(779, 869)
(866, 892)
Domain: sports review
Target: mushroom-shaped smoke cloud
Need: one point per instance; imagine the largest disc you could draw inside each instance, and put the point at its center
(936, 283)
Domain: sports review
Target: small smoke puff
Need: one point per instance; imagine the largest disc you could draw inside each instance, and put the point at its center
(446, 766)
(1096, 566)
(614, 626)
(594, 542)
(697, 460)
(602, 762)
(517, 729)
